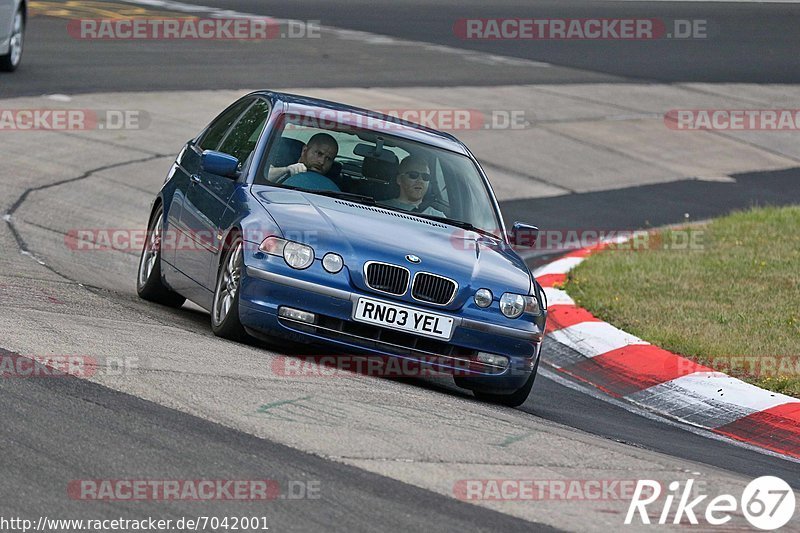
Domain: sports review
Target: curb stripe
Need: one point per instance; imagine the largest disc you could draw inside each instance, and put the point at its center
(728, 390)
(633, 368)
(559, 266)
(776, 429)
(563, 316)
(594, 338)
(549, 280)
(676, 402)
(583, 252)
(557, 297)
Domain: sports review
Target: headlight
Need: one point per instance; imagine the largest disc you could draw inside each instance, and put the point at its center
(483, 297)
(513, 305)
(296, 255)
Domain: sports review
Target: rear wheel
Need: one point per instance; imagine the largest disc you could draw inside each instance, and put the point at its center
(10, 61)
(225, 309)
(148, 282)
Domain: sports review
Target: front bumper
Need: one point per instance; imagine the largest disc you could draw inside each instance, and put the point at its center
(263, 292)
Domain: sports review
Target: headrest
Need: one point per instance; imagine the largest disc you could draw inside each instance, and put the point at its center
(380, 169)
(286, 152)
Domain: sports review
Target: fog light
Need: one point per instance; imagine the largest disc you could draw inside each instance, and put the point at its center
(483, 298)
(297, 314)
(332, 262)
(493, 359)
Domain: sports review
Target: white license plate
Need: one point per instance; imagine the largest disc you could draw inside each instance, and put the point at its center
(403, 318)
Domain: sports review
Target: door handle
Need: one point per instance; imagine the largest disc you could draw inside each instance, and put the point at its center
(195, 178)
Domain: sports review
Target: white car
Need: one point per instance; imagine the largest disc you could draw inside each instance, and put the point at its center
(13, 15)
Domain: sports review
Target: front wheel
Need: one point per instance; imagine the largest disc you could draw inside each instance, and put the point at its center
(515, 399)
(149, 285)
(225, 309)
(10, 61)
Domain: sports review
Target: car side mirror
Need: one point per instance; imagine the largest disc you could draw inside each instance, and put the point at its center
(220, 164)
(524, 235)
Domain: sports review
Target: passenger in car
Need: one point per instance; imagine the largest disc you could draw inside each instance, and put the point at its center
(309, 171)
(413, 178)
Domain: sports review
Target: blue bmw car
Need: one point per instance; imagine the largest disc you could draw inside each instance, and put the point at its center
(296, 219)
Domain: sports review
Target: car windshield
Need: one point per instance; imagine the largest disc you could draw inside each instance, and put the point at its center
(375, 167)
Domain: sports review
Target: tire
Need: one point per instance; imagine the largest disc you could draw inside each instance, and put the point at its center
(10, 61)
(225, 321)
(149, 285)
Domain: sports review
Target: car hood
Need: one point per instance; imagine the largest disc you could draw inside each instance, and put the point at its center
(361, 233)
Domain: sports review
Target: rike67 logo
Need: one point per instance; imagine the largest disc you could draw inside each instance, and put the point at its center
(767, 502)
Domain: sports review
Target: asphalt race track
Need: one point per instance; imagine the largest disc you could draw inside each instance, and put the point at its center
(170, 401)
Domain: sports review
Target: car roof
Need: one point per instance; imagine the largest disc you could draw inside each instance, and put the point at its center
(302, 105)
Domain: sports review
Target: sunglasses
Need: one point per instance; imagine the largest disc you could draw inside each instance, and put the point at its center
(414, 175)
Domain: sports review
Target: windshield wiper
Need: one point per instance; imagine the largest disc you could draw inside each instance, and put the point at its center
(360, 198)
(458, 223)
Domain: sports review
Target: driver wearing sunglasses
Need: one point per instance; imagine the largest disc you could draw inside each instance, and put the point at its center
(413, 178)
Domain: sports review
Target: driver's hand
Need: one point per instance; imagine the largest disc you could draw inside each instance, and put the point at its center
(296, 168)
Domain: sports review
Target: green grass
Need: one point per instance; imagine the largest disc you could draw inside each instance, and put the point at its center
(735, 292)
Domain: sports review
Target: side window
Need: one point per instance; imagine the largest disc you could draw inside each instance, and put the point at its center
(216, 131)
(241, 140)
